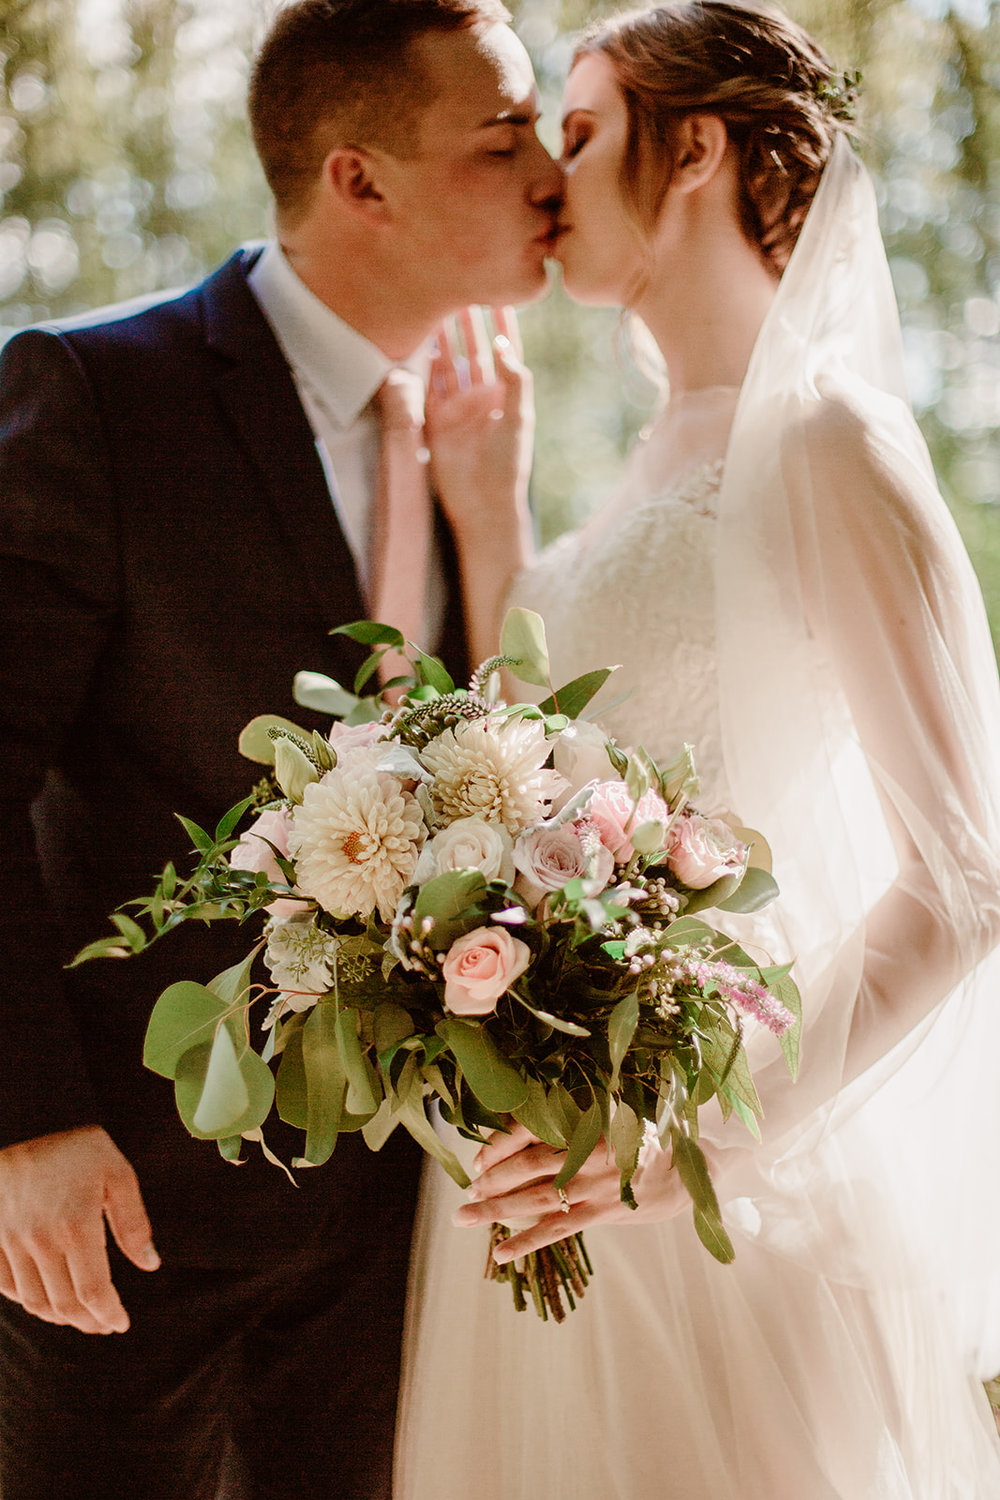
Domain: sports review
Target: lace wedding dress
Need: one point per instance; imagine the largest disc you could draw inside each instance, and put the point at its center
(784, 588)
(774, 1378)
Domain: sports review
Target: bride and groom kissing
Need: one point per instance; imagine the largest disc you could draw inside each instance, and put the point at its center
(197, 493)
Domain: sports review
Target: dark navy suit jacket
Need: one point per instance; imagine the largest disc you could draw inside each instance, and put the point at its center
(169, 558)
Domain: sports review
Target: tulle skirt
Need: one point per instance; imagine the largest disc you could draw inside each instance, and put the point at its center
(820, 1371)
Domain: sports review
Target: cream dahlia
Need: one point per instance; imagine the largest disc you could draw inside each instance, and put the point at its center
(492, 769)
(355, 841)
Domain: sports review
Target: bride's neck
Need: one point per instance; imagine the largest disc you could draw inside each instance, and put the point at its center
(705, 311)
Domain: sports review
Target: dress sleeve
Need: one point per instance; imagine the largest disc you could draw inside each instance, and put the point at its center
(58, 587)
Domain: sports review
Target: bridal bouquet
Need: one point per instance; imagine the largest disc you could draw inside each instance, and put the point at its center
(490, 907)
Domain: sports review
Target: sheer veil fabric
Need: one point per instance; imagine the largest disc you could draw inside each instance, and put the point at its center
(860, 720)
(811, 622)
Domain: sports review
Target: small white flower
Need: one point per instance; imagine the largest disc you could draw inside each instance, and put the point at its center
(355, 841)
(300, 957)
(492, 769)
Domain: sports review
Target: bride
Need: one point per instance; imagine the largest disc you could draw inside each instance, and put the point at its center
(785, 589)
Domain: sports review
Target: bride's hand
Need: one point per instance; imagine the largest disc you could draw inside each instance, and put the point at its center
(516, 1181)
(479, 425)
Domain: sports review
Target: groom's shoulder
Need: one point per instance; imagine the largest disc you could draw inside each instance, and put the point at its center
(172, 318)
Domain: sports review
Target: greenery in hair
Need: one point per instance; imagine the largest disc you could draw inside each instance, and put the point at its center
(840, 93)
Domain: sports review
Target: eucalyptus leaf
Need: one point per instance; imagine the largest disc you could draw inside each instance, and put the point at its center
(232, 984)
(582, 1142)
(621, 1029)
(497, 1085)
(433, 672)
(191, 1085)
(256, 742)
(535, 1115)
(291, 1089)
(322, 694)
(230, 1147)
(379, 1128)
(363, 1094)
(371, 633)
(185, 1016)
(522, 638)
(756, 890)
(787, 991)
(326, 1084)
(626, 1139)
(447, 900)
(569, 1028)
(224, 1095)
(572, 699)
(689, 1159)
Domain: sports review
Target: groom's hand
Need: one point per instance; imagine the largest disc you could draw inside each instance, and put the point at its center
(55, 1193)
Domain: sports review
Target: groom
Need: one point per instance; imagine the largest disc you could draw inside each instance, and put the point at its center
(186, 503)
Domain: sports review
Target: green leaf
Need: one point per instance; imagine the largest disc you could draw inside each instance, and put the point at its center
(291, 1089)
(572, 699)
(522, 638)
(322, 694)
(230, 1147)
(130, 931)
(433, 673)
(787, 991)
(689, 1159)
(232, 984)
(367, 669)
(229, 820)
(535, 1115)
(391, 1024)
(448, 900)
(363, 1093)
(326, 1084)
(220, 1094)
(756, 890)
(621, 1029)
(185, 1016)
(570, 1028)
(371, 633)
(582, 1142)
(109, 947)
(199, 838)
(496, 1084)
(626, 1138)
(408, 1108)
(224, 1095)
(257, 744)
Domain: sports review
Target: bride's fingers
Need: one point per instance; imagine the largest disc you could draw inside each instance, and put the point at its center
(506, 325)
(524, 1168)
(502, 1144)
(477, 345)
(534, 1198)
(444, 373)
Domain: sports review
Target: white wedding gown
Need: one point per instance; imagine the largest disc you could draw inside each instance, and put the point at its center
(804, 613)
(824, 1373)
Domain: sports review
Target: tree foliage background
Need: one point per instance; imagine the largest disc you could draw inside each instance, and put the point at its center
(125, 167)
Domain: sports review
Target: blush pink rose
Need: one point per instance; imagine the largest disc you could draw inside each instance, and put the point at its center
(703, 850)
(481, 967)
(252, 853)
(610, 810)
(348, 737)
(547, 858)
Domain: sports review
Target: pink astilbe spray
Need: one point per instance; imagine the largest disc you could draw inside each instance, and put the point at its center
(745, 993)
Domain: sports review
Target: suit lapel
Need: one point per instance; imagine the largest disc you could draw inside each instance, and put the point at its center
(258, 393)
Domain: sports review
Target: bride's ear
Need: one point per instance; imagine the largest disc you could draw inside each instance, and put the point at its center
(700, 145)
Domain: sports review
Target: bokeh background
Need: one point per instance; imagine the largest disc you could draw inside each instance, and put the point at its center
(125, 167)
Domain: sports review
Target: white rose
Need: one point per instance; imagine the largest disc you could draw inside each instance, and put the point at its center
(468, 844)
(581, 755)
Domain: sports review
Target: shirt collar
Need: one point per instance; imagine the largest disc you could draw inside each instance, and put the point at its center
(339, 363)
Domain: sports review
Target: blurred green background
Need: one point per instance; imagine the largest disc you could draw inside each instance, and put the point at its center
(125, 167)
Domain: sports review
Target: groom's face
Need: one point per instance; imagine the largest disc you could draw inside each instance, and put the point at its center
(476, 201)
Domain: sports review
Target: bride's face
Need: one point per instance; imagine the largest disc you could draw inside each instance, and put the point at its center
(601, 248)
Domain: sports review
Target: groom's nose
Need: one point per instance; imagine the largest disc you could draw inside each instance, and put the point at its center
(547, 183)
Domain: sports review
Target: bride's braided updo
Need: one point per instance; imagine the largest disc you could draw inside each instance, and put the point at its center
(775, 90)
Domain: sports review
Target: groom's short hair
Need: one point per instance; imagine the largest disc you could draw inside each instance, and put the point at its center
(343, 72)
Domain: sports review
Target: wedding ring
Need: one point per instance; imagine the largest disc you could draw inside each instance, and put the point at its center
(563, 1200)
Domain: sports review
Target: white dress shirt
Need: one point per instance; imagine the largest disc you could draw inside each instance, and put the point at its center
(337, 372)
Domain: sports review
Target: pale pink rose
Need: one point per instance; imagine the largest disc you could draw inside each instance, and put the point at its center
(346, 738)
(703, 850)
(252, 853)
(549, 857)
(481, 967)
(610, 809)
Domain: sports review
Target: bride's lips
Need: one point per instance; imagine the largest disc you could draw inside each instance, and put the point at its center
(551, 237)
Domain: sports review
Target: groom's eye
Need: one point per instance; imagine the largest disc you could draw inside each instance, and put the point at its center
(574, 144)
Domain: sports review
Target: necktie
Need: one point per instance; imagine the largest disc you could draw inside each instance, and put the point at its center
(402, 515)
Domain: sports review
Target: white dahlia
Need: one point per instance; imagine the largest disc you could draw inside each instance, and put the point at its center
(492, 769)
(355, 840)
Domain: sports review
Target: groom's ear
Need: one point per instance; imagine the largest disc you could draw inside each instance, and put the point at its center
(701, 143)
(352, 176)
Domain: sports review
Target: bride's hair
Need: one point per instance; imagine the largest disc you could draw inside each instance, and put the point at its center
(772, 86)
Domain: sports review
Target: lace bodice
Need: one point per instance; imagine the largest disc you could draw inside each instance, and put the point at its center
(635, 586)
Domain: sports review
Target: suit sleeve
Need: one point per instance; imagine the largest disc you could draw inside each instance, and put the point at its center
(58, 590)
